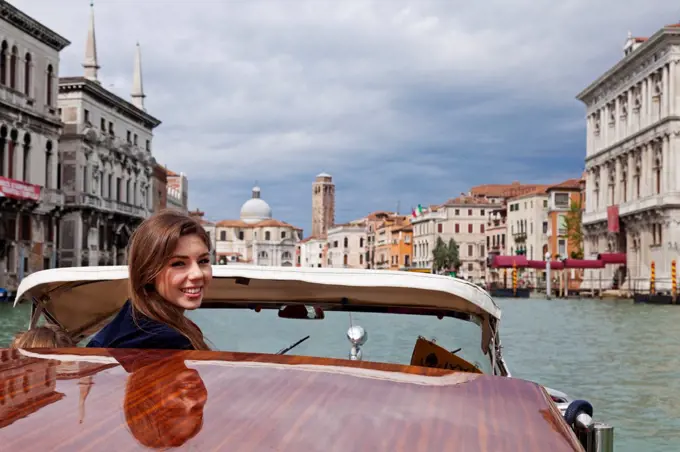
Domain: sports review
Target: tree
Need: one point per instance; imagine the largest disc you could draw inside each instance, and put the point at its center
(439, 255)
(445, 256)
(573, 222)
(452, 255)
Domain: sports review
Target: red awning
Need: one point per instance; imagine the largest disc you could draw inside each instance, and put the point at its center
(508, 261)
(540, 265)
(612, 258)
(583, 263)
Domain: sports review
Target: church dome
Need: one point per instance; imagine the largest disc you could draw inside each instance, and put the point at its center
(255, 209)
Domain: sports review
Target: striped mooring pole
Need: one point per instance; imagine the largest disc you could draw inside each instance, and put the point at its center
(652, 279)
(674, 281)
(514, 279)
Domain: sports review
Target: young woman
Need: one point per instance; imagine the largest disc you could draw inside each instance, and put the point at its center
(169, 271)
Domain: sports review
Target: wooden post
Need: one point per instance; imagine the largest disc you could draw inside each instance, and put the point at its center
(674, 282)
(600, 273)
(514, 279)
(652, 279)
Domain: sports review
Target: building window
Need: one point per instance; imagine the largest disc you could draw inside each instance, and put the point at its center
(470, 228)
(481, 228)
(267, 235)
(148, 145)
(27, 75)
(111, 128)
(562, 200)
(102, 124)
(283, 234)
(471, 267)
(87, 116)
(135, 140)
(470, 251)
(27, 157)
(481, 250)
(361, 242)
(545, 227)
(457, 212)
(345, 242)
(481, 212)
(3, 63)
(439, 228)
(361, 259)
(223, 235)
(13, 60)
(457, 228)
(469, 212)
(129, 137)
(49, 83)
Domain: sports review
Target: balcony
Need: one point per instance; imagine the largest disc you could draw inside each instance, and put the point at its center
(520, 236)
(495, 223)
(87, 200)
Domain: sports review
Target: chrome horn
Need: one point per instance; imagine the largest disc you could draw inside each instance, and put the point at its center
(357, 337)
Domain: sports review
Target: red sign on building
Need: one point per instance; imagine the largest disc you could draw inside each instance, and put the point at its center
(10, 188)
(613, 218)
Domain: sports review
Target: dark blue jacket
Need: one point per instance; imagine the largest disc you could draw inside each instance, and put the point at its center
(123, 332)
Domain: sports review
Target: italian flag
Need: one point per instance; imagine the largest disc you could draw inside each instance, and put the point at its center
(420, 209)
(417, 211)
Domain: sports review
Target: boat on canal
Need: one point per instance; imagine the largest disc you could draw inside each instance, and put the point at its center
(450, 392)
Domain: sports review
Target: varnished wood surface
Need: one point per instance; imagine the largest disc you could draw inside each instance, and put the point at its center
(235, 401)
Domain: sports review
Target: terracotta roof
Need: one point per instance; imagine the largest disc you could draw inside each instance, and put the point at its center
(262, 224)
(501, 190)
(569, 184)
(378, 214)
(170, 173)
(309, 239)
(538, 190)
(467, 200)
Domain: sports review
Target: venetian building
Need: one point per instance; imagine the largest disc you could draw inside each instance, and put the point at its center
(178, 191)
(106, 164)
(632, 202)
(347, 245)
(256, 237)
(323, 205)
(30, 195)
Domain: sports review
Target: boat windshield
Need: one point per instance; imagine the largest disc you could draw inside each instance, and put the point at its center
(391, 338)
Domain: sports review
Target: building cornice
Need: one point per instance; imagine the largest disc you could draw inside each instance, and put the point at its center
(101, 94)
(638, 61)
(32, 27)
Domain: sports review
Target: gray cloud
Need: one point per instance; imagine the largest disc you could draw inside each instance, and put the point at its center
(409, 101)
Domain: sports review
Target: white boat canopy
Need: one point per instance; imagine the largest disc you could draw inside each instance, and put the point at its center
(81, 298)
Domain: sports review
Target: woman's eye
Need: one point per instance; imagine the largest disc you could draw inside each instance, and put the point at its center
(205, 261)
(177, 264)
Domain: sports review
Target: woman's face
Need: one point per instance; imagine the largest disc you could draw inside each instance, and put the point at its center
(185, 277)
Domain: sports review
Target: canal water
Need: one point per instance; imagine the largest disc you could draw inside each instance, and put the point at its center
(621, 357)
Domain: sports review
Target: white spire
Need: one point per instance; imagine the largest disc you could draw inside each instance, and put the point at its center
(90, 63)
(137, 86)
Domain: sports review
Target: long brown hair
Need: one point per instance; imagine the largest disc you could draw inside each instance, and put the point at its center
(46, 336)
(150, 248)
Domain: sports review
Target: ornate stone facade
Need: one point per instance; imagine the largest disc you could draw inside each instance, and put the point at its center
(632, 149)
(106, 168)
(30, 195)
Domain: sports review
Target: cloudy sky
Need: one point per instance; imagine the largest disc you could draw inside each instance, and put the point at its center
(401, 101)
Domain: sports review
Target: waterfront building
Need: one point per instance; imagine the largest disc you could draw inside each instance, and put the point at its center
(347, 245)
(528, 223)
(496, 238)
(159, 188)
(256, 237)
(632, 156)
(323, 205)
(383, 239)
(178, 191)
(401, 246)
(371, 223)
(464, 219)
(561, 199)
(30, 195)
(106, 164)
(311, 252)
(210, 228)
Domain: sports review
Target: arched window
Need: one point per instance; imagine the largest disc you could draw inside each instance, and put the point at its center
(3, 62)
(346, 242)
(48, 164)
(13, 60)
(48, 83)
(267, 235)
(344, 259)
(27, 74)
(3, 142)
(223, 235)
(27, 158)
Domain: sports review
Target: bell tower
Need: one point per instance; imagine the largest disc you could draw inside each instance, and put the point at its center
(323, 205)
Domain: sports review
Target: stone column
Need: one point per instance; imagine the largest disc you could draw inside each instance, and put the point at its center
(666, 166)
(673, 102)
(618, 196)
(629, 114)
(665, 95)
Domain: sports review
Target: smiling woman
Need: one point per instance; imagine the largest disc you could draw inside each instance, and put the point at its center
(169, 270)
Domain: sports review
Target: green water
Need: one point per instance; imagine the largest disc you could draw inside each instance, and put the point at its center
(621, 357)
